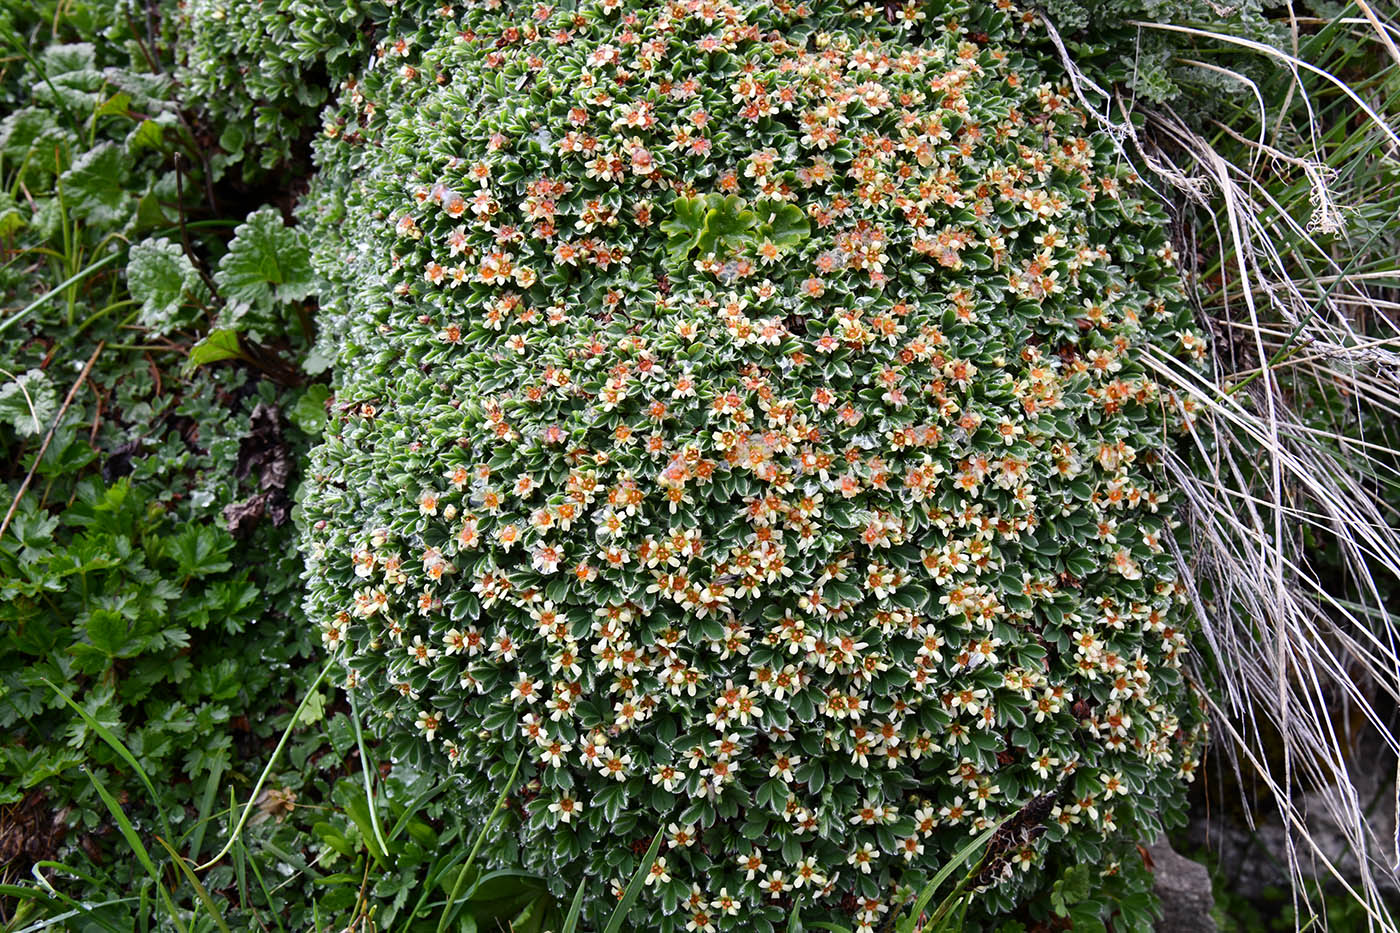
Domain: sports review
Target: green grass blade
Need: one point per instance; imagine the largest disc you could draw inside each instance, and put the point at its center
(449, 909)
(267, 895)
(364, 772)
(575, 909)
(795, 921)
(79, 911)
(206, 807)
(117, 746)
(267, 769)
(21, 893)
(56, 290)
(414, 806)
(944, 873)
(634, 887)
(138, 848)
(199, 889)
(37, 871)
(133, 839)
(435, 873)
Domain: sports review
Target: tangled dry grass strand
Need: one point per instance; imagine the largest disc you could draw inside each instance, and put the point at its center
(1304, 666)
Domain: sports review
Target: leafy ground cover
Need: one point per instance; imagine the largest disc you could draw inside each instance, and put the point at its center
(178, 753)
(159, 393)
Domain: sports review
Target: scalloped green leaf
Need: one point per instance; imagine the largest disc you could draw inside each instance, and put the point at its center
(684, 227)
(727, 224)
(95, 189)
(268, 263)
(160, 275)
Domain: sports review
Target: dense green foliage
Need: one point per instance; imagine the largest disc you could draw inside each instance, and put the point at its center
(260, 72)
(148, 571)
(119, 536)
(764, 458)
(848, 263)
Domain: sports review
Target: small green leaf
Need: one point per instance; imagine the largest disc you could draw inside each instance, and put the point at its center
(115, 105)
(148, 134)
(12, 218)
(109, 633)
(28, 130)
(217, 345)
(309, 413)
(231, 140)
(314, 710)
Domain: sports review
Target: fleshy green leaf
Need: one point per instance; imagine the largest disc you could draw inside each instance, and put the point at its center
(713, 224)
(683, 229)
(786, 227)
(727, 224)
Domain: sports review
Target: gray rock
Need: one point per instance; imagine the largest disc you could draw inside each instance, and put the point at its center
(1254, 860)
(1184, 889)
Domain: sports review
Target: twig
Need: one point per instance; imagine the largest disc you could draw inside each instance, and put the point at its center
(48, 438)
(184, 234)
(145, 52)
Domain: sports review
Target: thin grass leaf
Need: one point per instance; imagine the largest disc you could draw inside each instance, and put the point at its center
(138, 848)
(267, 895)
(959, 859)
(365, 774)
(21, 893)
(436, 872)
(1271, 199)
(37, 869)
(450, 909)
(267, 769)
(634, 887)
(58, 919)
(414, 806)
(199, 889)
(206, 807)
(575, 909)
(39, 302)
(239, 853)
(117, 746)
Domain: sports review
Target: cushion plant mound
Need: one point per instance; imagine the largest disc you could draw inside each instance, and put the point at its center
(744, 427)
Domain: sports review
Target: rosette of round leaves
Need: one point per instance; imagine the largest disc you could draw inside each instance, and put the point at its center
(743, 424)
